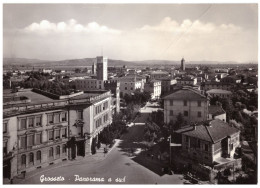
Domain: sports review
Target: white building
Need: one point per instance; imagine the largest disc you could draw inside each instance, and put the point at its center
(129, 85)
(154, 87)
(189, 102)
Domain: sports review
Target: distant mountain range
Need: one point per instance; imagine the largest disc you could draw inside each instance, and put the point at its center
(111, 62)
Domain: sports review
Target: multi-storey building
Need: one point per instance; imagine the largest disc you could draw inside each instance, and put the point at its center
(217, 85)
(158, 74)
(128, 85)
(41, 131)
(209, 142)
(187, 81)
(154, 87)
(189, 102)
(219, 93)
(101, 68)
(167, 84)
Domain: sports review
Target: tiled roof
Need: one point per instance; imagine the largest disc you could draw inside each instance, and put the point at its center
(216, 110)
(216, 131)
(186, 94)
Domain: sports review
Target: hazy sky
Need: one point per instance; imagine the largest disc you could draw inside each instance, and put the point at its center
(222, 32)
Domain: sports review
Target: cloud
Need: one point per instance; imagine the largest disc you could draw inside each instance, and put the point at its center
(71, 26)
(167, 39)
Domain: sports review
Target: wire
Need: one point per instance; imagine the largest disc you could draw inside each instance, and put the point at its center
(172, 42)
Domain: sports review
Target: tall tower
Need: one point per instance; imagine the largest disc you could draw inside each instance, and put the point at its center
(183, 64)
(101, 68)
(94, 68)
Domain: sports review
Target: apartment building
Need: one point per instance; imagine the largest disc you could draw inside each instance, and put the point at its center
(42, 131)
(128, 85)
(189, 102)
(154, 87)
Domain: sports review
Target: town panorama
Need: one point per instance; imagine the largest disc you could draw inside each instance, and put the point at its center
(97, 120)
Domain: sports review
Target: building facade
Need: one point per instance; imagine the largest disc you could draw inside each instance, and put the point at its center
(189, 102)
(209, 142)
(38, 134)
(154, 87)
(101, 68)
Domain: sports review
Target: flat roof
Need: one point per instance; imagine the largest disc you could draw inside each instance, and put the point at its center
(34, 97)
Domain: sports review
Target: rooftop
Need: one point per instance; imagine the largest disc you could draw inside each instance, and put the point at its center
(186, 93)
(215, 131)
(216, 110)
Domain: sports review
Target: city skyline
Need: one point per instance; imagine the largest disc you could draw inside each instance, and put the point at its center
(213, 32)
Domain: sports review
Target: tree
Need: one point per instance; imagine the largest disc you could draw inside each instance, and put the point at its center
(179, 122)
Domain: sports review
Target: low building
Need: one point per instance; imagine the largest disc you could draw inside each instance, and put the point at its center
(217, 112)
(219, 93)
(154, 87)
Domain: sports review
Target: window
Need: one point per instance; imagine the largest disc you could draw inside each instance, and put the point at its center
(38, 121)
(38, 138)
(5, 148)
(50, 118)
(186, 113)
(5, 128)
(38, 156)
(171, 102)
(23, 159)
(30, 122)
(80, 114)
(206, 147)
(185, 103)
(58, 150)
(51, 152)
(56, 118)
(198, 143)
(199, 103)
(125, 88)
(63, 116)
(231, 146)
(199, 114)
(187, 139)
(23, 123)
(171, 113)
(23, 142)
(57, 134)
(64, 133)
(50, 134)
(30, 140)
(64, 150)
(31, 158)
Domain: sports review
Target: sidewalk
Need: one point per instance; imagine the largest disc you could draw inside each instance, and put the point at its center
(96, 158)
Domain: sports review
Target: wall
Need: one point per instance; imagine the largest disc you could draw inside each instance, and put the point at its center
(192, 108)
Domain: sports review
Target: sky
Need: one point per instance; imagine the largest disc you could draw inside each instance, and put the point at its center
(212, 32)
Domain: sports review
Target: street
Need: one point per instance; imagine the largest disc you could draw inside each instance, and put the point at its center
(124, 164)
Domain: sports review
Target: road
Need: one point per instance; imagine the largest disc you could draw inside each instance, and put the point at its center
(119, 165)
